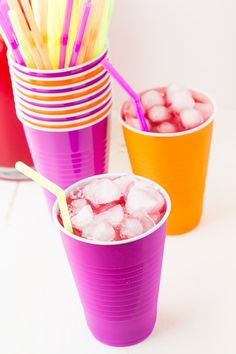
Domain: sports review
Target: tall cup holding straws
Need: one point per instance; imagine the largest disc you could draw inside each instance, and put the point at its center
(62, 93)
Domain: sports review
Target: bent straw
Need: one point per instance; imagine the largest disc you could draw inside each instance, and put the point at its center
(11, 39)
(101, 40)
(40, 10)
(51, 187)
(54, 31)
(65, 33)
(80, 33)
(36, 34)
(19, 23)
(130, 92)
(95, 28)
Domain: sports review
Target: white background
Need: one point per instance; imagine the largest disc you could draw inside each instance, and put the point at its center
(193, 42)
(40, 311)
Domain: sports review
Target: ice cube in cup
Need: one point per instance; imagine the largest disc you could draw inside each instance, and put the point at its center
(170, 110)
(115, 208)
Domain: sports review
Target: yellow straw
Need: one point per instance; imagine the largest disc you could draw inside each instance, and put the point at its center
(29, 52)
(92, 18)
(40, 10)
(51, 187)
(75, 20)
(36, 34)
(18, 16)
(97, 23)
(101, 41)
(55, 24)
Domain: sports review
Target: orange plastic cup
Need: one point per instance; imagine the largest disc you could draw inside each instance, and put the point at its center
(178, 162)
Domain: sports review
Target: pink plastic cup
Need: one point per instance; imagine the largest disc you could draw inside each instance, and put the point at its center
(68, 156)
(118, 282)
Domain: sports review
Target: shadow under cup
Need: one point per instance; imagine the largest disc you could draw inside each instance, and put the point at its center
(177, 161)
(118, 282)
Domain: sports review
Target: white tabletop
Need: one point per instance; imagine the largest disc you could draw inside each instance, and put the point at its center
(40, 312)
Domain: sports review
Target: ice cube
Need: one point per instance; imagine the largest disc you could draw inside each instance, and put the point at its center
(124, 183)
(102, 191)
(76, 205)
(171, 89)
(131, 227)
(158, 114)
(139, 200)
(130, 109)
(99, 232)
(147, 222)
(83, 217)
(134, 122)
(166, 127)
(205, 109)
(152, 98)
(182, 99)
(191, 118)
(113, 216)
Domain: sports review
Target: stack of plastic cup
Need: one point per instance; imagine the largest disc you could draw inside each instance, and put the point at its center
(65, 114)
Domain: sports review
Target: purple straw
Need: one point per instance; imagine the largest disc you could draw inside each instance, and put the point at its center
(80, 33)
(10, 35)
(135, 97)
(65, 33)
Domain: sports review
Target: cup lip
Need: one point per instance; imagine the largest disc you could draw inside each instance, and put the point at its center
(115, 243)
(177, 134)
(64, 108)
(63, 129)
(71, 117)
(55, 79)
(53, 71)
(67, 101)
(27, 91)
(47, 89)
(70, 124)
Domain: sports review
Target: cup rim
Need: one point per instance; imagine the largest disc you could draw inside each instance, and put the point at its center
(176, 134)
(115, 243)
(29, 106)
(51, 118)
(63, 130)
(64, 70)
(72, 100)
(70, 124)
(100, 76)
(26, 90)
(55, 79)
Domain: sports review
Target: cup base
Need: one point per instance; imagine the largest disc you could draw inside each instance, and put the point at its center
(172, 232)
(124, 344)
(11, 174)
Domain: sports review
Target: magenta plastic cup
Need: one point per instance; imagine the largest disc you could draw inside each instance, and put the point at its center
(59, 72)
(68, 156)
(118, 282)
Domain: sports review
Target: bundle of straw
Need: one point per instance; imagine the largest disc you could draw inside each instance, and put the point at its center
(48, 34)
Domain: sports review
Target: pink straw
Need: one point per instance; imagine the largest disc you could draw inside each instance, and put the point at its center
(10, 35)
(135, 97)
(80, 33)
(65, 33)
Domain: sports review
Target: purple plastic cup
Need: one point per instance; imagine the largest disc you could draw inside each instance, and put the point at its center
(66, 157)
(118, 282)
(59, 72)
